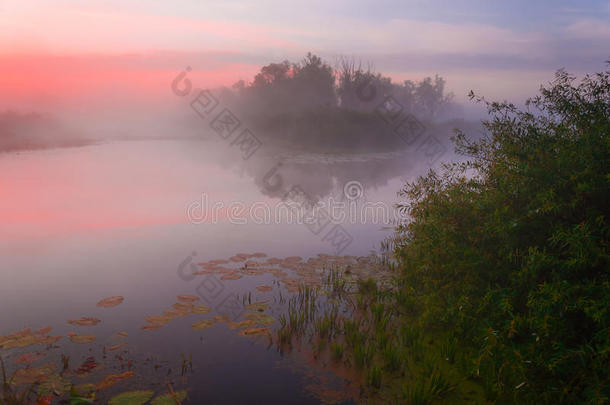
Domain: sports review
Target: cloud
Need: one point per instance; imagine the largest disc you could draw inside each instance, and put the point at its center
(589, 29)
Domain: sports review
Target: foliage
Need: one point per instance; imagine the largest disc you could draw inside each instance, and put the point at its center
(508, 250)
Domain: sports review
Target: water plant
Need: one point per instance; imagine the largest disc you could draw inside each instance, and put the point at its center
(337, 351)
(373, 377)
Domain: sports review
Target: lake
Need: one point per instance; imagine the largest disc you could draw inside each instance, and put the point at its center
(136, 218)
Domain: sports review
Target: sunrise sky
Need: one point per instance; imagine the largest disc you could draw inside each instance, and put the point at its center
(55, 54)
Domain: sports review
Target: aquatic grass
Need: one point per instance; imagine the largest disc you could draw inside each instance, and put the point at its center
(353, 335)
(335, 283)
(373, 377)
(427, 388)
(417, 393)
(393, 358)
(337, 351)
(362, 354)
(9, 396)
(378, 311)
(448, 349)
(409, 335)
(367, 287)
(284, 336)
(382, 339)
(438, 384)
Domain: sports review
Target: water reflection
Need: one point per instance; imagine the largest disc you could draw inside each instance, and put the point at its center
(111, 219)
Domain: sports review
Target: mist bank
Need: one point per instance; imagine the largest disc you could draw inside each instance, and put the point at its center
(31, 131)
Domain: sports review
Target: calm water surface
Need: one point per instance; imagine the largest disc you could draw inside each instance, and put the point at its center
(81, 224)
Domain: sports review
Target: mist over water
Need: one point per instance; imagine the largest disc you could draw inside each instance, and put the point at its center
(209, 202)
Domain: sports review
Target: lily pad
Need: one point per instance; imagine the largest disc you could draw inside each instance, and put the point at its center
(231, 276)
(110, 302)
(112, 379)
(243, 324)
(176, 313)
(204, 324)
(254, 331)
(114, 347)
(201, 309)
(25, 338)
(82, 338)
(152, 326)
(84, 321)
(54, 384)
(162, 319)
(188, 298)
(168, 399)
(122, 334)
(44, 331)
(181, 306)
(29, 358)
(260, 318)
(88, 366)
(33, 375)
(131, 398)
(264, 288)
(257, 306)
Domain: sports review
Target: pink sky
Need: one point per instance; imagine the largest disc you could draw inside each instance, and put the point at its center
(54, 52)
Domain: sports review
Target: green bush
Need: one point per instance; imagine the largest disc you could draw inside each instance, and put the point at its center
(508, 249)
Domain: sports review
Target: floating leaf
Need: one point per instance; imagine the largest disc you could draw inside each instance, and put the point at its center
(29, 358)
(122, 334)
(162, 319)
(254, 331)
(112, 379)
(201, 309)
(87, 367)
(115, 347)
(243, 324)
(82, 338)
(264, 288)
(258, 254)
(181, 306)
(152, 326)
(231, 276)
(131, 398)
(54, 384)
(82, 394)
(84, 321)
(44, 331)
(25, 338)
(188, 298)
(176, 313)
(257, 306)
(110, 302)
(260, 318)
(219, 261)
(33, 375)
(201, 325)
(168, 399)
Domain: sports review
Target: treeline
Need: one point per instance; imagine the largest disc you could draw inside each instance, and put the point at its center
(508, 253)
(30, 131)
(310, 101)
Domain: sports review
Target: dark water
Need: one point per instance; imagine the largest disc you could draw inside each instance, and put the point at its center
(86, 223)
